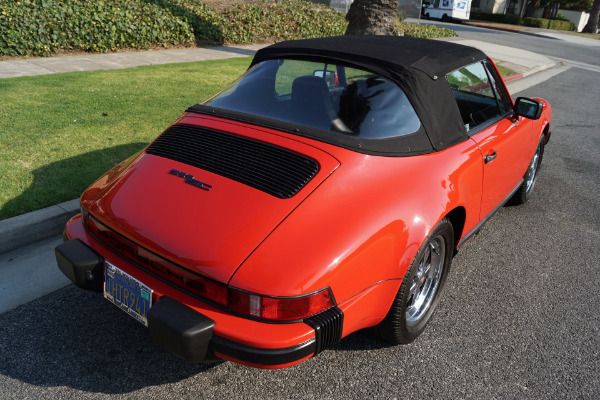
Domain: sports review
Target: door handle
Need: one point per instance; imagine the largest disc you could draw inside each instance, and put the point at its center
(490, 157)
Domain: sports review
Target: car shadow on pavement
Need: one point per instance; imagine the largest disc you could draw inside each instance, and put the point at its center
(362, 340)
(74, 338)
(66, 179)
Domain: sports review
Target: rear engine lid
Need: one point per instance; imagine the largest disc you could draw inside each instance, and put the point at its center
(205, 196)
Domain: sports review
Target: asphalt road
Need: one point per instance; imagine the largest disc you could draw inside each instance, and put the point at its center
(519, 318)
(568, 48)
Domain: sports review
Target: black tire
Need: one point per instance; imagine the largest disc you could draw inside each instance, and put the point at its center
(426, 16)
(524, 192)
(445, 18)
(423, 281)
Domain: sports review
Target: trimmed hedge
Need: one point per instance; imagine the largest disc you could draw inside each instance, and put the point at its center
(502, 18)
(42, 27)
(556, 24)
(282, 20)
(425, 31)
(46, 27)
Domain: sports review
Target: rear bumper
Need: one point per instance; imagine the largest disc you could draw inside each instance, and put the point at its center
(193, 335)
(189, 335)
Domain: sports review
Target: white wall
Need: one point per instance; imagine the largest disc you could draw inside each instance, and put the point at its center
(579, 18)
(493, 6)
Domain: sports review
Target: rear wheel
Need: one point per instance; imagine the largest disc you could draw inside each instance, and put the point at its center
(524, 192)
(445, 18)
(419, 293)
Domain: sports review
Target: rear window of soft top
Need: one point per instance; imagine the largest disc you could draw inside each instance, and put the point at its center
(341, 99)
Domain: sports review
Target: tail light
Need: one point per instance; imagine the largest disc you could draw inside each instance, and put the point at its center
(86, 216)
(280, 308)
(238, 301)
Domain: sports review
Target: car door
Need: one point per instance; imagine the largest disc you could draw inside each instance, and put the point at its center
(503, 138)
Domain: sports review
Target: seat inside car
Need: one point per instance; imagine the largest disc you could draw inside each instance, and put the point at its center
(311, 102)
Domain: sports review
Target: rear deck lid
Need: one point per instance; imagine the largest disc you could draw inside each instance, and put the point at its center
(205, 196)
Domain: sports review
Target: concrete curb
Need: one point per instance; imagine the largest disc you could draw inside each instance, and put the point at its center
(530, 71)
(37, 225)
(512, 77)
(530, 32)
(498, 28)
(537, 69)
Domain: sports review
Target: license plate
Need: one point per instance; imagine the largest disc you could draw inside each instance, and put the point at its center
(126, 292)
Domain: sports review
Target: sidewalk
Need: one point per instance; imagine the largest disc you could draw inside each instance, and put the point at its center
(38, 225)
(129, 59)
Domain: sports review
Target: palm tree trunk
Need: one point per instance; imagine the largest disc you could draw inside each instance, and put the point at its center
(372, 17)
(592, 24)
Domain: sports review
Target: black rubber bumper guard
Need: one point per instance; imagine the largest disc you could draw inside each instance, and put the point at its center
(189, 334)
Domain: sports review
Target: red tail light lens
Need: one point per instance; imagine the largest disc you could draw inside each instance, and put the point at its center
(86, 216)
(236, 300)
(280, 308)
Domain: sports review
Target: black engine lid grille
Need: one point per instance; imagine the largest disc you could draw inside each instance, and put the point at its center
(271, 169)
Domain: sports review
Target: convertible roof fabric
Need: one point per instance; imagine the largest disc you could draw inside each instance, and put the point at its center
(433, 57)
(418, 66)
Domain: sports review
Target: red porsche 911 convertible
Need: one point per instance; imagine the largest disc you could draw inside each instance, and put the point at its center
(324, 192)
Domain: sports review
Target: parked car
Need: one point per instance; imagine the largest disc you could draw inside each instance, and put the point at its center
(324, 192)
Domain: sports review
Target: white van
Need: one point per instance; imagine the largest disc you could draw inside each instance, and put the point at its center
(447, 10)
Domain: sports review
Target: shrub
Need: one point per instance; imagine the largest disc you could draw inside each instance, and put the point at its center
(560, 17)
(282, 20)
(45, 27)
(425, 31)
(41, 27)
(550, 24)
(502, 18)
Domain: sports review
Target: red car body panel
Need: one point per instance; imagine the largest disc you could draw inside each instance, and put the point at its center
(247, 331)
(379, 237)
(512, 159)
(207, 232)
(354, 228)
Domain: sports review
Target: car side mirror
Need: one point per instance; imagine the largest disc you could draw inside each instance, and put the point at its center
(329, 76)
(528, 108)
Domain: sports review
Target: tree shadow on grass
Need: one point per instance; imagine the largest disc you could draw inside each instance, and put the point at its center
(66, 179)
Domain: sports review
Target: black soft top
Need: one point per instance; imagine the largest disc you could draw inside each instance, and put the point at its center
(418, 66)
(435, 58)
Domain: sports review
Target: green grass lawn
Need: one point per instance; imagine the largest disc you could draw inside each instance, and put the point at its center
(58, 133)
(504, 71)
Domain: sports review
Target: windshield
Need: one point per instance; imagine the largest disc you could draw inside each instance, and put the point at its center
(335, 98)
